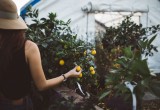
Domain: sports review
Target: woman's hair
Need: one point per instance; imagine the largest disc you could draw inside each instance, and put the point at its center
(10, 42)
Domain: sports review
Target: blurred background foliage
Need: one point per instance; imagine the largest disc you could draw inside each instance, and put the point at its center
(122, 48)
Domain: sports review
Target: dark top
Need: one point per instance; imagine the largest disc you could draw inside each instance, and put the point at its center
(16, 81)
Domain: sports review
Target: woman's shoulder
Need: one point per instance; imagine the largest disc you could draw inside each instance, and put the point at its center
(30, 47)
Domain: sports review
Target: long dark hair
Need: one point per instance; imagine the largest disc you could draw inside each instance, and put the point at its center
(10, 42)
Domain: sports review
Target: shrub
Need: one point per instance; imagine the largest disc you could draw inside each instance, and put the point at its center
(123, 47)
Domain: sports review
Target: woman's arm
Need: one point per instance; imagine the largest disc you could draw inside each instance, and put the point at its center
(34, 61)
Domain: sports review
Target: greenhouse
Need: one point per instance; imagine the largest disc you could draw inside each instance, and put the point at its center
(114, 46)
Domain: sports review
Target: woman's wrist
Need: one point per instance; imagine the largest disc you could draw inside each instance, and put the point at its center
(67, 75)
(64, 77)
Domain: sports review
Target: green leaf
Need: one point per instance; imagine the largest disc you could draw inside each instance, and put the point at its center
(43, 19)
(104, 95)
(128, 52)
(140, 67)
(44, 45)
(122, 62)
(143, 43)
(151, 40)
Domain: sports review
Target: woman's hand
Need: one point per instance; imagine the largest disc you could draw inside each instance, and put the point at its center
(74, 73)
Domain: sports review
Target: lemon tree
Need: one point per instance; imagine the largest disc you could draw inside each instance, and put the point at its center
(61, 50)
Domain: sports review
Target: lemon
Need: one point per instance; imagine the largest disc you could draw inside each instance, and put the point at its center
(93, 72)
(93, 51)
(117, 65)
(78, 68)
(91, 68)
(61, 62)
(80, 75)
(85, 53)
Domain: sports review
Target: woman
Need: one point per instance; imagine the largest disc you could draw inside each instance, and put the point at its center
(20, 62)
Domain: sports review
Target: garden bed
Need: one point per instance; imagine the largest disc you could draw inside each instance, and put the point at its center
(68, 93)
(61, 98)
(151, 104)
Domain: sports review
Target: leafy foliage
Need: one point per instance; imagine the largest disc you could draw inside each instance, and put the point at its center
(60, 51)
(123, 47)
(60, 48)
(56, 42)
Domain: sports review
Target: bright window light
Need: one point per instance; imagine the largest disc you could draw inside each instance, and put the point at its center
(20, 4)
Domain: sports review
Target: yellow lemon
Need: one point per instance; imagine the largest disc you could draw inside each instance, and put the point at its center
(78, 68)
(91, 68)
(115, 59)
(85, 52)
(117, 65)
(93, 51)
(93, 72)
(61, 62)
(80, 75)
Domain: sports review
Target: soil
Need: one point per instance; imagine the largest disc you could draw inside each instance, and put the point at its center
(151, 105)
